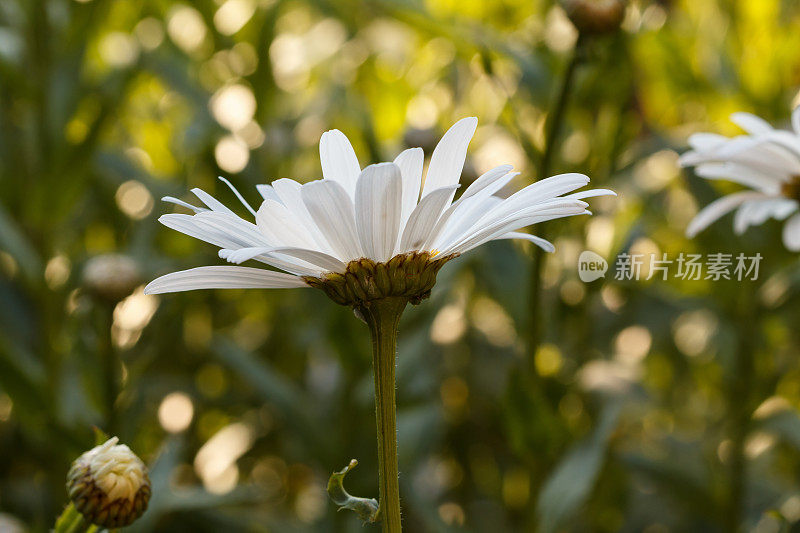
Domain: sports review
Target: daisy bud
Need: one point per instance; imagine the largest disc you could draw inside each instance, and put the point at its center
(595, 17)
(111, 277)
(109, 485)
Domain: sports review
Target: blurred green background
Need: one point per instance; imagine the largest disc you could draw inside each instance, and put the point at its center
(643, 405)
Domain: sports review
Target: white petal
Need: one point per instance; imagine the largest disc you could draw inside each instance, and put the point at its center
(759, 153)
(238, 195)
(423, 219)
(210, 230)
(338, 159)
(332, 210)
(757, 212)
(717, 209)
(290, 264)
(217, 229)
(786, 140)
(481, 237)
(796, 120)
(267, 192)
(540, 192)
(782, 147)
(462, 213)
(222, 277)
(289, 193)
(472, 205)
(487, 180)
(591, 193)
(322, 260)
(211, 202)
(448, 157)
(751, 123)
(555, 208)
(233, 227)
(791, 231)
(188, 226)
(692, 158)
(750, 213)
(379, 194)
(544, 244)
(181, 203)
(410, 162)
(705, 142)
(783, 207)
(739, 174)
(281, 227)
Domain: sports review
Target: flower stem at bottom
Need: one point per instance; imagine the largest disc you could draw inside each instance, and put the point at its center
(383, 317)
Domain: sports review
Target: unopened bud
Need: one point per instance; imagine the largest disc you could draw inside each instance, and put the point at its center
(594, 17)
(109, 485)
(111, 277)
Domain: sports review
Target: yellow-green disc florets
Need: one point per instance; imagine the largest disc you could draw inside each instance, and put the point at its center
(109, 485)
(791, 189)
(410, 276)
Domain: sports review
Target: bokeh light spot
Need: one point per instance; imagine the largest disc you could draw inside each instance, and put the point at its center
(232, 154)
(134, 199)
(175, 412)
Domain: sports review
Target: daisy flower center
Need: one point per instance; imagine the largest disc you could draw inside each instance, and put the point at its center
(409, 276)
(791, 189)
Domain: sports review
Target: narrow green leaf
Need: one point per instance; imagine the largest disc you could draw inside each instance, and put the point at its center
(569, 486)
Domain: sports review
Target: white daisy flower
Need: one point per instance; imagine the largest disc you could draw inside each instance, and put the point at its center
(365, 234)
(766, 161)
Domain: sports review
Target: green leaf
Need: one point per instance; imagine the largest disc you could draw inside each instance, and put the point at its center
(569, 486)
(366, 508)
(13, 241)
(273, 388)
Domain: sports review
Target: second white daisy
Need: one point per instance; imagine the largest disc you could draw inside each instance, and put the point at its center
(766, 161)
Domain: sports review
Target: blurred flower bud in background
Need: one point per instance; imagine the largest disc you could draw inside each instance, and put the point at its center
(595, 17)
(111, 277)
(109, 485)
(11, 524)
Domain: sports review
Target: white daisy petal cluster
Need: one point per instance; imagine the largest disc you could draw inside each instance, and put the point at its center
(377, 213)
(766, 161)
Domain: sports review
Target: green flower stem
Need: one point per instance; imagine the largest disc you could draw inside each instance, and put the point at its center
(77, 526)
(70, 521)
(111, 369)
(554, 124)
(108, 362)
(740, 409)
(68, 515)
(383, 317)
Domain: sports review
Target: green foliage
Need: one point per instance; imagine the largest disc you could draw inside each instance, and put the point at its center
(631, 415)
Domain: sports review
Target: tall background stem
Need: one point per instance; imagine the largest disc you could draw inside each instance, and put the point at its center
(554, 124)
(740, 406)
(110, 365)
(383, 317)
